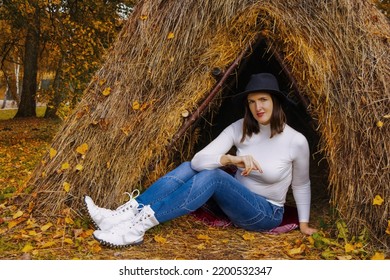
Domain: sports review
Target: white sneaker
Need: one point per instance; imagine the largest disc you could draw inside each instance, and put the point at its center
(129, 232)
(105, 219)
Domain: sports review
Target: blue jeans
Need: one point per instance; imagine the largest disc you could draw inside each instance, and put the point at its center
(183, 190)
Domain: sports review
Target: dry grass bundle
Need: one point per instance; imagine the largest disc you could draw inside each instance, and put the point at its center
(160, 66)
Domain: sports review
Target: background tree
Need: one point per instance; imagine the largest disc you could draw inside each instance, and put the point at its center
(62, 40)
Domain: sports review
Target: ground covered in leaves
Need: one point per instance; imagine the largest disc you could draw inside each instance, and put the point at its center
(23, 236)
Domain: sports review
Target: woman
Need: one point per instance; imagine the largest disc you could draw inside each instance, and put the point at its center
(270, 157)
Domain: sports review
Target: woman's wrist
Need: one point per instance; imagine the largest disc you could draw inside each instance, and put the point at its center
(225, 160)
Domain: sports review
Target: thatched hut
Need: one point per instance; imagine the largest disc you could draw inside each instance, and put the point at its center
(165, 89)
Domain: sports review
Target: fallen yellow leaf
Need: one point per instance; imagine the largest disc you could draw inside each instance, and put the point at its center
(31, 223)
(388, 227)
(378, 200)
(27, 248)
(126, 130)
(32, 233)
(349, 248)
(12, 224)
(79, 167)
(95, 248)
(66, 186)
(248, 236)
(379, 124)
(297, 251)
(46, 227)
(143, 17)
(17, 214)
(52, 153)
(68, 241)
(82, 149)
(69, 220)
(65, 166)
(171, 35)
(58, 234)
(102, 82)
(160, 239)
(48, 244)
(136, 105)
(201, 246)
(203, 237)
(107, 91)
(378, 256)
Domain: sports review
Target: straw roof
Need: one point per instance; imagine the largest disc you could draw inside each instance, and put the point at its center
(337, 53)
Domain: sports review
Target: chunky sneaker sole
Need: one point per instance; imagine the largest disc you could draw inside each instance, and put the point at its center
(114, 245)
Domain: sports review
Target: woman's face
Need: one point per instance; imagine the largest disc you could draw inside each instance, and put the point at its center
(261, 106)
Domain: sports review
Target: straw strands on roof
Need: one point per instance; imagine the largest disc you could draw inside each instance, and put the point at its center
(160, 66)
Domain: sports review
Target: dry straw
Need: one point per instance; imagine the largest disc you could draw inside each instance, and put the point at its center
(160, 66)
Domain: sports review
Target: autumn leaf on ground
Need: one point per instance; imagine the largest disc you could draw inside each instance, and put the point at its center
(65, 166)
(143, 17)
(32, 233)
(388, 227)
(68, 241)
(126, 130)
(48, 244)
(82, 149)
(378, 200)
(17, 214)
(46, 227)
(248, 236)
(136, 105)
(171, 35)
(378, 256)
(201, 246)
(297, 251)
(160, 239)
(66, 186)
(31, 223)
(52, 153)
(27, 248)
(95, 248)
(102, 82)
(15, 222)
(79, 167)
(69, 220)
(379, 124)
(349, 248)
(107, 91)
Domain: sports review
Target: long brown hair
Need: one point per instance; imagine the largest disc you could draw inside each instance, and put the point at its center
(278, 119)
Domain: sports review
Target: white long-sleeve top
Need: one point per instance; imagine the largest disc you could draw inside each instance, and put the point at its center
(284, 159)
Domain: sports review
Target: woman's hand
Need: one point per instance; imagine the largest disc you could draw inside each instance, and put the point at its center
(305, 229)
(248, 163)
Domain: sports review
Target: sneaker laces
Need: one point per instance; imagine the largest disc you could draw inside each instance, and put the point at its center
(133, 195)
(141, 217)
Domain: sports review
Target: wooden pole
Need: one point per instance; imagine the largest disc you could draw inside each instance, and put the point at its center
(202, 107)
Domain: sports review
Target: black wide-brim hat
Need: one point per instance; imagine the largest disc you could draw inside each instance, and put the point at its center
(261, 82)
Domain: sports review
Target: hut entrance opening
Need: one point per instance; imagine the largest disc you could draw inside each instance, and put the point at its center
(261, 59)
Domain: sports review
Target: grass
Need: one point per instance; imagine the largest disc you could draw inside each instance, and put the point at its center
(7, 114)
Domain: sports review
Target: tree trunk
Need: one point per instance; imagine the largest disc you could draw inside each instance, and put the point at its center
(54, 103)
(29, 88)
